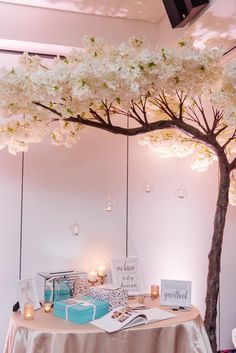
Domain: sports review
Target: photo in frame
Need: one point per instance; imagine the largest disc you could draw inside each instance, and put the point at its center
(27, 293)
(176, 293)
(126, 273)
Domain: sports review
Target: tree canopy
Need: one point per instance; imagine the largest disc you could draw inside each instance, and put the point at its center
(161, 91)
(156, 87)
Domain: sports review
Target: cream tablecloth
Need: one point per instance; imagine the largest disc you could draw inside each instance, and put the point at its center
(47, 334)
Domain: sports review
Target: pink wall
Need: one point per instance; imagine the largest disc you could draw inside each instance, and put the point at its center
(10, 192)
(67, 185)
(172, 236)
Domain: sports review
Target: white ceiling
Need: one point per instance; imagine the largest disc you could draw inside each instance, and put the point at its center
(144, 10)
(48, 31)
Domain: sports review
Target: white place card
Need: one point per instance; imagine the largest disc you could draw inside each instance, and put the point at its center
(27, 293)
(175, 293)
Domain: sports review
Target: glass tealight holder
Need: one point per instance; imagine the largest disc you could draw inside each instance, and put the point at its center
(141, 299)
(47, 306)
(28, 312)
(154, 291)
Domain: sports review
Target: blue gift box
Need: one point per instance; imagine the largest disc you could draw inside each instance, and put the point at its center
(80, 310)
(61, 292)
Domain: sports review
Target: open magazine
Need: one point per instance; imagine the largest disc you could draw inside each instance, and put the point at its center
(124, 317)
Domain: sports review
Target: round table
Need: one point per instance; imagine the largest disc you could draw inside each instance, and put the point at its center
(184, 333)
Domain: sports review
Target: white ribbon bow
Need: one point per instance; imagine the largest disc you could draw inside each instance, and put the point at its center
(83, 303)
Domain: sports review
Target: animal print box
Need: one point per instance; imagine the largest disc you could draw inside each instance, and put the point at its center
(80, 286)
(113, 295)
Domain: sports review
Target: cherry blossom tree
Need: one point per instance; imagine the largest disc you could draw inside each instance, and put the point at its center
(163, 92)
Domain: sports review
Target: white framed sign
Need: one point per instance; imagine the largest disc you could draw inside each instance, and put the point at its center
(126, 273)
(27, 293)
(175, 293)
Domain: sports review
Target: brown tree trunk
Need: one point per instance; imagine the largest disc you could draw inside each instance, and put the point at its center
(214, 256)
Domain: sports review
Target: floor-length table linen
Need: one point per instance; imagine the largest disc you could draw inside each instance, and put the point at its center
(48, 334)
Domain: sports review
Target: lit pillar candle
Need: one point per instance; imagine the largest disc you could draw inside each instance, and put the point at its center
(101, 271)
(28, 312)
(92, 276)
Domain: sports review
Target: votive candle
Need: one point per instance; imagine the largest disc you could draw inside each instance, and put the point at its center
(141, 299)
(154, 291)
(28, 312)
(47, 307)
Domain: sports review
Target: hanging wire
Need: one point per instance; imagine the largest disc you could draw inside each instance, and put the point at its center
(21, 212)
(127, 196)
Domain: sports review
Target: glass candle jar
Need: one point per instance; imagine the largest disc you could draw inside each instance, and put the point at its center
(47, 307)
(154, 291)
(141, 299)
(28, 312)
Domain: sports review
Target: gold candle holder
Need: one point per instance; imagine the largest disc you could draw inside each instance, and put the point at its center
(92, 283)
(101, 273)
(47, 307)
(101, 278)
(154, 291)
(28, 312)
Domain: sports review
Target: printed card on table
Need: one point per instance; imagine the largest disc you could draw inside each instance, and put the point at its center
(27, 293)
(126, 274)
(175, 293)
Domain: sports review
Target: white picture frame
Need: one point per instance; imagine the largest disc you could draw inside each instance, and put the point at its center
(126, 273)
(27, 293)
(176, 293)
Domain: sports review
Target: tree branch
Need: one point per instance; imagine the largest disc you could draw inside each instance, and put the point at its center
(100, 123)
(220, 130)
(182, 99)
(229, 139)
(193, 115)
(96, 116)
(232, 165)
(161, 102)
(54, 111)
(201, 110)
(143, 110)
(135, 114)
(107, 110)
